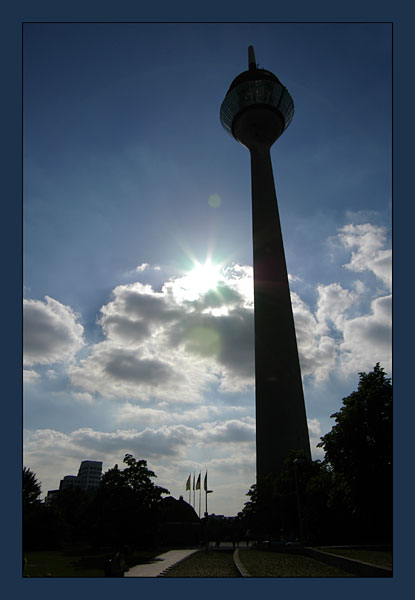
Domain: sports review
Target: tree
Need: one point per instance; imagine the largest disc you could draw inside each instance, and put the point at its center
(294, 504)
(68, 509)
(38, 531)
(126, 508)
(137, 479)
(30, 487)
(358, 450)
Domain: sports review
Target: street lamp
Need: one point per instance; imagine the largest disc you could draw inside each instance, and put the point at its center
(207, 492)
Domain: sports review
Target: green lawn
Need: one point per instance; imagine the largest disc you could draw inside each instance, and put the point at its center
(379, 558)
(260, 563)
(214, 563)
(77, 562)
(58, 564)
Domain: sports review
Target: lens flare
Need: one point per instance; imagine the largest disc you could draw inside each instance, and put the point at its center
(202, 278)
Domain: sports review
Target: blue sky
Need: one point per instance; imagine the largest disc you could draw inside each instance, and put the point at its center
(130, 180)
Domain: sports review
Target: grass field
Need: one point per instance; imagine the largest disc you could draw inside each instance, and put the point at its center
(260, 563)
(77, 562)
(379, 558)
(214, 563)
(58, 564)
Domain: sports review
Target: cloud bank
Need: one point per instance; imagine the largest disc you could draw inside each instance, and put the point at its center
(175, 344)
(51, 332)
(176, 365)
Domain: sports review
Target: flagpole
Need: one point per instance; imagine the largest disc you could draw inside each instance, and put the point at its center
(200, 492)
(188, 485)
(194, 491)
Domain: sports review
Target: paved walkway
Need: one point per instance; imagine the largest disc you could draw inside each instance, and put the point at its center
(159, 564)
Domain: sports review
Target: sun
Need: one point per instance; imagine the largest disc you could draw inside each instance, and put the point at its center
(202, 278)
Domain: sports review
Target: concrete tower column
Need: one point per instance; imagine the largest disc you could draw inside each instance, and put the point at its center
(256, 110)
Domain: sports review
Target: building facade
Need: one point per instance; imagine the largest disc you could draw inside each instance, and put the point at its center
(89, 474)
(88, 478)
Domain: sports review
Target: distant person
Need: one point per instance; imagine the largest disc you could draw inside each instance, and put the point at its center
(248, 536)
(116, 566)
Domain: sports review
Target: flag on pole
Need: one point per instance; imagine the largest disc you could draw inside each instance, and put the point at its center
(188, 483)
(198, 483)
(194, 492)
(205, 483)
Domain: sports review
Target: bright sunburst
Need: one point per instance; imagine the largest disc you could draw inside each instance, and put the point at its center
(198, 281)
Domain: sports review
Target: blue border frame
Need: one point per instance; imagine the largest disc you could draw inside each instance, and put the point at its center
(127, 10)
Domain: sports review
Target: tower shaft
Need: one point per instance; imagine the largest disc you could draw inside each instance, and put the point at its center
(281, 423)
(256, 111)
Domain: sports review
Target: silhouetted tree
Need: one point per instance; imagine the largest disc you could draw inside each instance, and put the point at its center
(302, 494)
(37, 523)
(137, 478)
(358, 450)
(126, 505)
(69, 511)
(30, 487)
(348, 496)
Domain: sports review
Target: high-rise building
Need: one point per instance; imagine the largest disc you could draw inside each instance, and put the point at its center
(68, 481)
(256, 111)
(89, 474)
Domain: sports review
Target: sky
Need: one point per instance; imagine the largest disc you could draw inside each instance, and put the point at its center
(137, 241)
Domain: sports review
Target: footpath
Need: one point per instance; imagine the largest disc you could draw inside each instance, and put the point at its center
(160, 563)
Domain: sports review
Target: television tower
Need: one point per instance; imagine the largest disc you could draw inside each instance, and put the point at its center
(256, 111)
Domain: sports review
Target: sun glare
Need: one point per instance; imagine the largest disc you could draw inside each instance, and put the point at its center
(202, 278)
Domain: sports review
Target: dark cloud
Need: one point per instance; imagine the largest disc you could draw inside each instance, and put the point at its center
(127, 330)
(149, 443)
(127, 366)
(232, 431)
(222, 295)
(151, 307)
(228, 338)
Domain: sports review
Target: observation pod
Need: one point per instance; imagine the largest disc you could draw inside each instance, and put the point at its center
(260, 90)
(256, 111)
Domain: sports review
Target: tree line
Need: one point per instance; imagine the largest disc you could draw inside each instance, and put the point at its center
(344, 498)
(122, 511)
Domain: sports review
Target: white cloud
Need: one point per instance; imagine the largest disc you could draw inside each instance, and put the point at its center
(164, 347)
(115, 371)
(30, 376)
(339, 336)
(317, 352)
(83, 397)
(368, 339)
(314, 431)
(333, 303)
(160, 345)
(51, 332)
(139, 415)
(370, 254)
(142, 267)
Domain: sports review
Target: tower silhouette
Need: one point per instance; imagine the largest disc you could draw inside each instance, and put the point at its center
(256, 111)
